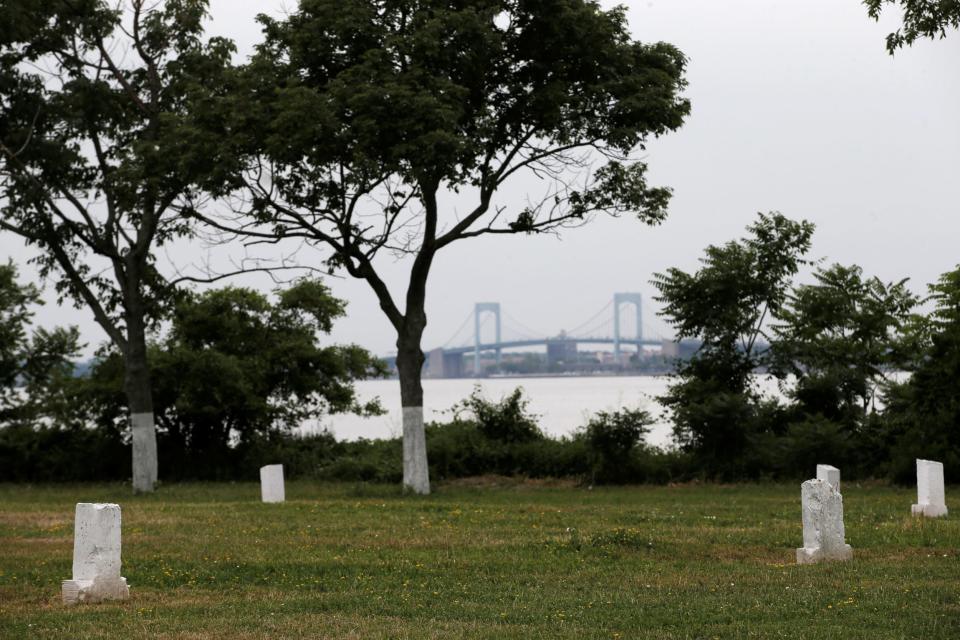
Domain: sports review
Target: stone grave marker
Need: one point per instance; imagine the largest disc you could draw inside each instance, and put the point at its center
(271, 483)
(96, 556)
(930, 493)
(823, 532)
(829, 474)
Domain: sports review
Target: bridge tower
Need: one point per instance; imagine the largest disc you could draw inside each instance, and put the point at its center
(621, 299)
(478, 310)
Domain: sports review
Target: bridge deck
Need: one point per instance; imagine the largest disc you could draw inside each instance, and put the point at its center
(512, 344)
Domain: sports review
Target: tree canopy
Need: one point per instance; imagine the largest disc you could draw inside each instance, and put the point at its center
(921, 19)
(235, 367)
(99, 157)
(356, 118)
(727, 304)
(834, 340)
(923, 412)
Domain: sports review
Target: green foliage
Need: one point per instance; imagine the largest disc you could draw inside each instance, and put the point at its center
(923, 412)
(32, 367)
(98, 153)
(832, 347)
(235, 367)
(367, 113)
(507, 420)
(739, 285)
(40, 453)
(460, 449)
(457, 449)
(498, 437)
(433, 91)
(835, 341)
(612, 438)
(726, 304)
(809, 440)
(921, 19)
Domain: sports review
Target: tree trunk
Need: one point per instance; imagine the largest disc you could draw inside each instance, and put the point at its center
(416, 473)
(140, 401)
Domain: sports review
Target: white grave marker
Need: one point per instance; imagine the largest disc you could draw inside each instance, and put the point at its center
(929, 490)
(829, 474)
(823, 532)
(271, 483)
(96, 556)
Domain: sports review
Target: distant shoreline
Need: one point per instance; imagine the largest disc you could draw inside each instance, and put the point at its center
(579, 374)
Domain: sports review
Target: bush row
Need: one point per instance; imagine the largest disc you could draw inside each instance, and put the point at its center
(496, 438)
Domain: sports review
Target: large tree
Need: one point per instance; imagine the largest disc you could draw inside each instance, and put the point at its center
(836, 341)
(921, 19)
(923, 412)
(97, 156)
(234, 368)
(357, 119)
(728, 304)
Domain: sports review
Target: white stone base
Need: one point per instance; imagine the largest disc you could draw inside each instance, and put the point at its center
(929, 510)
(77, 591)
(810, 556)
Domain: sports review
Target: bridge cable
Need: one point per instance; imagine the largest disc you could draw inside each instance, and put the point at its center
(596, 328)
(510, 331)
(456, 334)
(573, 332)
(527, 331)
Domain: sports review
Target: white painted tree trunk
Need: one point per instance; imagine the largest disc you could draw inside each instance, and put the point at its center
(416, 473)
(144, 452)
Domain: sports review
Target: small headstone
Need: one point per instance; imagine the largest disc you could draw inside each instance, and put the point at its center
(829, 474)
(930, 494)
(271, 483)
(96, 556)
(823, 532)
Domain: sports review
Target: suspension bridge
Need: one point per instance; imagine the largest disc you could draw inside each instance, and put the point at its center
(473, 351)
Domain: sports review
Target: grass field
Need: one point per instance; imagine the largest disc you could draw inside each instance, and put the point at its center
(510, 561)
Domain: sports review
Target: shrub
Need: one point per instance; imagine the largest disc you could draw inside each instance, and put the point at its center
(505, 421)
(612, 439)
(50, 454)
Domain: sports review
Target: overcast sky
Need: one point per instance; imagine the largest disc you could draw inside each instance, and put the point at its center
(797, 107)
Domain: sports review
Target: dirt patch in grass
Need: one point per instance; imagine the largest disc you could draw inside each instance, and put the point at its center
(35, 519)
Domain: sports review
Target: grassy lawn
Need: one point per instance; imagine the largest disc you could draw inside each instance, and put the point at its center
(518, 561)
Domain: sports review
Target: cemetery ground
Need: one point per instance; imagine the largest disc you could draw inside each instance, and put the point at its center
(483, 559)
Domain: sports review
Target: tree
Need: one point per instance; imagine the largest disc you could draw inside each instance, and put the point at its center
(836, 339)
(923, 412)
(32, 368)
(357, 119)
(921, 19)
(235, 368)
(98, 156)
(726, 304)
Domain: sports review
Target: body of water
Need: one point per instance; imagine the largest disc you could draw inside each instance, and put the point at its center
(563, 403)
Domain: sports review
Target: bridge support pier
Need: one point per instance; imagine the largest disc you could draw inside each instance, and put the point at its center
(480, 309)
(620, 299)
